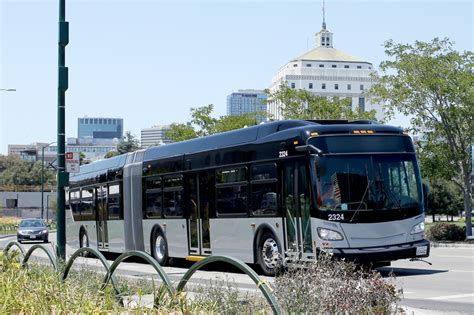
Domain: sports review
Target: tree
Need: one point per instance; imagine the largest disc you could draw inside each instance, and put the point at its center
(20, 172)
(303, 104)
(203, 124)
(111, 154)
(433, 84)
(129, 143)
(444, 198)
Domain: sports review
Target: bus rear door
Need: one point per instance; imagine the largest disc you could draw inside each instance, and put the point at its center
(198, 214)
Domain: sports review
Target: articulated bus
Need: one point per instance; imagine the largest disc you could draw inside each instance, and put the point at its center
(278, 191)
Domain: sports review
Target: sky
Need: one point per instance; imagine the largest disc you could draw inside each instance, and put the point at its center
(149, 61)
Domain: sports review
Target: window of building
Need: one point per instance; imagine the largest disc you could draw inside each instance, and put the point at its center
(359, 67)
(346, 66)
(323, 86)
(321, 66)
(336, 86)
(311, 85)
(322, 39)
(295, 65)
(362, 104)
(308, 65)
(293, 85)
(370, 68)
(349, 87)
(361, 87)
(334, 66)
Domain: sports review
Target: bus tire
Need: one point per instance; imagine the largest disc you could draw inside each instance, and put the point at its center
(159, 247)
(268, 253)
(83, 241)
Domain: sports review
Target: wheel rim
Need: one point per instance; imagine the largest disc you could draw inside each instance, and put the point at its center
(160, 247)
(270, 253)
(84, 240)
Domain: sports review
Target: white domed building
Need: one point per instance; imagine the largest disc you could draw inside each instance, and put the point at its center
(326, 71)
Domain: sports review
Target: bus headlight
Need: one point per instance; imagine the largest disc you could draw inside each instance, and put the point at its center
(329, 235)
(419, 228)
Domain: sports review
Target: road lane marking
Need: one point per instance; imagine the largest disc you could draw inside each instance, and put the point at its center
(449, 297)
(472, 257)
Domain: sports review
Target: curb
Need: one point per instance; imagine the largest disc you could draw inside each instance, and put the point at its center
(468, 244)
(6, 235)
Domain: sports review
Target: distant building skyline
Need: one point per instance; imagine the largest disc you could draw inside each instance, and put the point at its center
(247, 101)
(156, 135)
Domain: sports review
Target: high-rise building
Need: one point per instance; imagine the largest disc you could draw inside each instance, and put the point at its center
(156, 135)
(247, 101)
(326, 71)
(99, 128)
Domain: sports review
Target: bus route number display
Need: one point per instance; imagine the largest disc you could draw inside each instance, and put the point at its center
(72, 162)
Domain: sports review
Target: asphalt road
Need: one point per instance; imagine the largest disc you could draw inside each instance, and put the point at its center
(446, 286)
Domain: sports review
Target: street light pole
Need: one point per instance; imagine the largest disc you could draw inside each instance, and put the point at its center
(63, 176)
(42, 177)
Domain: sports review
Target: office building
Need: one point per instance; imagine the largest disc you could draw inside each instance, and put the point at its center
(326, 71)
(247, 101)
(91, 130)
(156, 135)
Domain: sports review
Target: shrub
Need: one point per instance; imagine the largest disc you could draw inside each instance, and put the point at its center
(330, 286)
(445, 232)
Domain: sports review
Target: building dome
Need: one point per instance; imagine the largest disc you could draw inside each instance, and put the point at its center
(322, 53)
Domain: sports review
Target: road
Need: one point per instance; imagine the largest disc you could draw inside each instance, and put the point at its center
(446, 286)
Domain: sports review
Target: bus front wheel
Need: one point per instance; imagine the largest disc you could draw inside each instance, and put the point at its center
(159, 248)
(268, 254)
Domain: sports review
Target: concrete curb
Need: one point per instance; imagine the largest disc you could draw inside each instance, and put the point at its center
(7, 235)
(468, 244)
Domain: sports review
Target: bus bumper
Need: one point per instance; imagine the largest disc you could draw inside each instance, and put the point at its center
(419, 249)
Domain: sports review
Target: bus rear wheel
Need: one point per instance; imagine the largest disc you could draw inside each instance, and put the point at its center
(83, 242)
(268, 254)
(159, 248)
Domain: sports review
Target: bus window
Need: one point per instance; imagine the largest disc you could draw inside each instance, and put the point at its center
(114, 207)
(264, 189)
(87, 204)
(75, 204)
(153, 205)
(232, 191)
(173, 196)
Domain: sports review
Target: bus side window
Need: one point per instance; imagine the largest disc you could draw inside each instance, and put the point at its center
(114, 206)
(87, 204)
(264, 189)
(152, 204)
(232, 191)
(75, 204)
(173, 196)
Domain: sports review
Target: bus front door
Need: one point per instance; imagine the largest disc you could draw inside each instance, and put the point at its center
(296, 205)
(102, 233)
(198, 209)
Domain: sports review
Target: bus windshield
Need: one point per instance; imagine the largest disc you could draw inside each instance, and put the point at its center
(367, 182)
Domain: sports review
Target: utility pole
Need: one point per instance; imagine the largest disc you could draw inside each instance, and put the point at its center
(63, 177)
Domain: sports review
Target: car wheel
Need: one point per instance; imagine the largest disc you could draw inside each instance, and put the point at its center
(268, 254)
(46, 241)
(159, 248)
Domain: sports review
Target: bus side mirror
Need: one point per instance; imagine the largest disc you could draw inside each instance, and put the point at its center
(426, 191)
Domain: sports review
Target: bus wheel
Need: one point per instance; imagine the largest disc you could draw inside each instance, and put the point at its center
(268, 254)
(83, 241)
(159, 248)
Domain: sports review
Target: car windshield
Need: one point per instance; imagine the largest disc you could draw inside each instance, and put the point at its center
(32, 223)
(367, 182)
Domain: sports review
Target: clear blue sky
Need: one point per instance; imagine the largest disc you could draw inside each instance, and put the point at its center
(150, 61)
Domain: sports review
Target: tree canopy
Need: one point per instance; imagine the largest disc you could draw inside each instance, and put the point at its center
(129, 143)
(203, 124)
(15, 171)
(433, 84)
(303, 104)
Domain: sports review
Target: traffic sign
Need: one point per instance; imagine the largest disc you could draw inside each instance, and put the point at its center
(72, 162)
